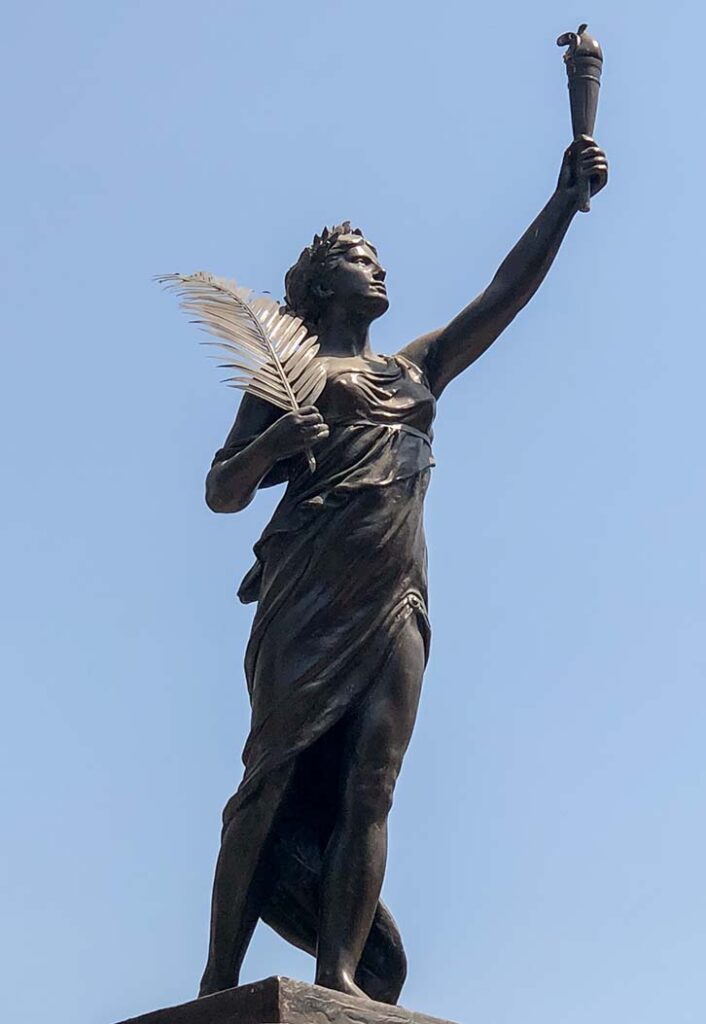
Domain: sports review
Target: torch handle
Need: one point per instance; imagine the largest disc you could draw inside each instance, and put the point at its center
(585, 196)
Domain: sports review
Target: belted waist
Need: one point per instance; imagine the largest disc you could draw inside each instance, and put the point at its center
(405, 427)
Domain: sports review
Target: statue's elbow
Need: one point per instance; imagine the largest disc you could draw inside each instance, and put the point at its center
(214, 502)
(217, 501)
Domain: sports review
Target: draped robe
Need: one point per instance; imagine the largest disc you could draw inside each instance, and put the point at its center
(340, 568)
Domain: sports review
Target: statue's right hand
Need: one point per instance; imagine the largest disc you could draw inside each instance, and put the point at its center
(296, 431)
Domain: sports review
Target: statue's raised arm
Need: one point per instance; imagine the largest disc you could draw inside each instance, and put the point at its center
(446, 352)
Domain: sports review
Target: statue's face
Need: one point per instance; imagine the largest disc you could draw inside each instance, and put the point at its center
(356, 280)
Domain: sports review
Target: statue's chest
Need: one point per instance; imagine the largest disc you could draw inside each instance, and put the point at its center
(393, 394)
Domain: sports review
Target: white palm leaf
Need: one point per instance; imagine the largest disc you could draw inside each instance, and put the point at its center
(271, 351)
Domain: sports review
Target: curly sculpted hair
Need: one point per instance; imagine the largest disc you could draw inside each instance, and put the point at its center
(304, 291)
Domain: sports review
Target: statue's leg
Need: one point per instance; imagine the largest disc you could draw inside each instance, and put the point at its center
(239, 887)
(375, 739)
(292, 909)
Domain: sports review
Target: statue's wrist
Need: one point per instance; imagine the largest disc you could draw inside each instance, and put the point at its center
(564, 201)
(263, 453)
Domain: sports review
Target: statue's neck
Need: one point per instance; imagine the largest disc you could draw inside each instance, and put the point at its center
(341, 335)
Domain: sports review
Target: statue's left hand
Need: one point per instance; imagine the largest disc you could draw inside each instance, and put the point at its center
(583, 160)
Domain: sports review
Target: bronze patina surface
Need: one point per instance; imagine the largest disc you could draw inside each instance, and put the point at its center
(340, 637)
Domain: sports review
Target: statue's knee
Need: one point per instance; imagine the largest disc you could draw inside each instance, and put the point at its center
(256, 805)
(369, 794)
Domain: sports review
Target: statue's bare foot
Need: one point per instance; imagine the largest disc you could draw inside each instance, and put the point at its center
(340, 981)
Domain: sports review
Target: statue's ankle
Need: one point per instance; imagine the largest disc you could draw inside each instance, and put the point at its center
(339, 980)
(215, 980)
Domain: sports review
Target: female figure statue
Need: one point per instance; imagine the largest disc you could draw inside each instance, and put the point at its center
(340, 637)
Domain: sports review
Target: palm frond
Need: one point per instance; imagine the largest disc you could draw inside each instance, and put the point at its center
(271, 351)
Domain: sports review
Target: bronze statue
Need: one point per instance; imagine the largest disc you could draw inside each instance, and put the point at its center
(340, 637)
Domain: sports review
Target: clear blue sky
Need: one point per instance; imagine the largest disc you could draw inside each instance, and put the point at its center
(549, 833)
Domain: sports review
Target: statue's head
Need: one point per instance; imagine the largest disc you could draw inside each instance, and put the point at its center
(341, 267)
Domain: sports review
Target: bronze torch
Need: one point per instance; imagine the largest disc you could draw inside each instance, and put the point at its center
(584, 63)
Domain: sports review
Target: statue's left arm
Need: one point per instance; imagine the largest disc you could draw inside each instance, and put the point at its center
(446, 352)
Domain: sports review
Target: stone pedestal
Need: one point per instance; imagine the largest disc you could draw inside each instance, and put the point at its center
(283, 1001)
